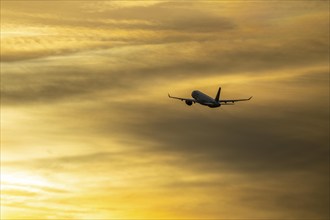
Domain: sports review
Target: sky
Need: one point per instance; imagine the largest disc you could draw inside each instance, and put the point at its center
(88, 132)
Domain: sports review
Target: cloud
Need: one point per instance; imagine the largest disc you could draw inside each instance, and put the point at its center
(219, 34)
(123, 68)
(271, 144)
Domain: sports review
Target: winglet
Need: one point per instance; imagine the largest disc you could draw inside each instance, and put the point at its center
(250, 97)
(169, 95)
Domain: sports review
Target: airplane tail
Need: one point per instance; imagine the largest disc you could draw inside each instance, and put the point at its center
(218, 95)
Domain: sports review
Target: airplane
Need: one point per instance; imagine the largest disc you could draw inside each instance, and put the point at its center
(203, 99)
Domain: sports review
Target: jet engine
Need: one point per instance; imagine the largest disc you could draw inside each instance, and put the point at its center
(188, 102)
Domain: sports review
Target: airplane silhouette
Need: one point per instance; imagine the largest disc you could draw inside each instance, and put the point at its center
(203, 99)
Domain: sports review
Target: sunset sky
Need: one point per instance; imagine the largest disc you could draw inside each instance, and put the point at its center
(88, 132)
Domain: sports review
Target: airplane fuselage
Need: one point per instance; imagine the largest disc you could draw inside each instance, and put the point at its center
(204, 99)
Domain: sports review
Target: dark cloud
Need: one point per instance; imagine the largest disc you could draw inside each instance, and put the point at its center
(254, 143)
(198, 24)
(281, 150)
(69, 81)
(44, 88)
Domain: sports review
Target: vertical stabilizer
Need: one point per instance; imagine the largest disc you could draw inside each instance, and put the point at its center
(218, 95)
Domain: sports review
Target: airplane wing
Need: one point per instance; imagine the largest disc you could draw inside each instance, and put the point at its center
(182, 99)
(234, 100)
